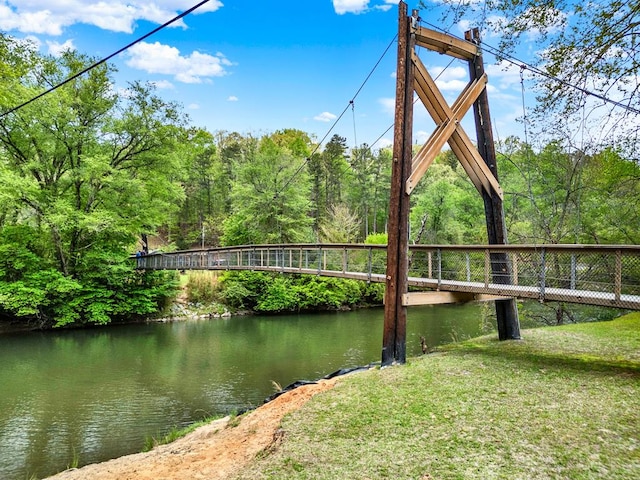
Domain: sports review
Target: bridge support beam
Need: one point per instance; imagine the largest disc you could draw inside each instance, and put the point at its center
(395, 312)
(438, 298)
(479, 163)
(506, 310)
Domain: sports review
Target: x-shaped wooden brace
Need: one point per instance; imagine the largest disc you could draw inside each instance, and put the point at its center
(449, 130)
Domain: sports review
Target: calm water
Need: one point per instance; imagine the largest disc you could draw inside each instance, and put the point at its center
(91, 395)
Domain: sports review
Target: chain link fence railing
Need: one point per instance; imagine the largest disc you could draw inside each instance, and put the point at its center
(606, 275)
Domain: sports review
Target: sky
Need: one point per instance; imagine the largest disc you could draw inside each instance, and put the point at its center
(255, 67)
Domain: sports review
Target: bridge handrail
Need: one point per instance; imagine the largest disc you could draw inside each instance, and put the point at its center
(593, 274)
(377, 246)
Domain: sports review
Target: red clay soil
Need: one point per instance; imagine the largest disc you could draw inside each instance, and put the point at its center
(214, 451)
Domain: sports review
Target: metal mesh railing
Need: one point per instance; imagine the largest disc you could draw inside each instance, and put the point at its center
(591, 274)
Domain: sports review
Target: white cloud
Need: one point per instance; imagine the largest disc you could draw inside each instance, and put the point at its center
(232, 98)
(388, 5)
(57, 49)
(325, 117)
(164, 59)
(384, 143)
(350, 6)
(51, 17)
(30, 42)
(452, 79)
(504, 75)
(388, 105)
(194, 106)
(163, 84)
(421, 137)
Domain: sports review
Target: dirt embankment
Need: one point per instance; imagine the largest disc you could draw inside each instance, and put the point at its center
(214, 451)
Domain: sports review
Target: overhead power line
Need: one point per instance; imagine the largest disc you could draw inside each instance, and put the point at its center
(99, 62)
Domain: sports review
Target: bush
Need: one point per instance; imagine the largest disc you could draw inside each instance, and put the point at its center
(275, 292)
(201, 287)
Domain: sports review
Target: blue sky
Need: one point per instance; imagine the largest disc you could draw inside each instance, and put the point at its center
(259, 66)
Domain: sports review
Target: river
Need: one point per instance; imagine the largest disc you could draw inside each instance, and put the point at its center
(69, 398)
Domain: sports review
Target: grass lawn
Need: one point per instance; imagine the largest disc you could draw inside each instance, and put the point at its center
(563, 403)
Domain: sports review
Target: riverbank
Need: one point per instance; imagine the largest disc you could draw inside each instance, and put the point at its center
(562, 403)
(218, 450)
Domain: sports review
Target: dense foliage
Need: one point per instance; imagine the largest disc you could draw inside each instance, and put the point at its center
(84, 172)
(273, 292)
(90, 175)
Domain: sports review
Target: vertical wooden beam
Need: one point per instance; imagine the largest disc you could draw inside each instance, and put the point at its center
(506, 310)
(618, 279)
(395, 313)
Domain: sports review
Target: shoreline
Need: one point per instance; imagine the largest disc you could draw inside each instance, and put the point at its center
(214, 451)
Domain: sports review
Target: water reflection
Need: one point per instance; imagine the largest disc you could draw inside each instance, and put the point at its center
(90, 395)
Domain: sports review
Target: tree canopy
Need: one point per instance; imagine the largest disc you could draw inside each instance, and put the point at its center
(587, 55)
(85, 171)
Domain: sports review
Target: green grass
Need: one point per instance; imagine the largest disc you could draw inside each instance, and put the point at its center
(564, 403)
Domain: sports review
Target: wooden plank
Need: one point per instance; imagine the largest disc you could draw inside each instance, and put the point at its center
(447, 44)
(440, 297)
(444, 131)
(460, 142)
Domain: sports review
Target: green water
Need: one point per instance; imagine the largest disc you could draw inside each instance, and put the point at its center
(84, 396)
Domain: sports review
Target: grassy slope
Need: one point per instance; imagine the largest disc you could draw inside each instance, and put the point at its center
(562, 403)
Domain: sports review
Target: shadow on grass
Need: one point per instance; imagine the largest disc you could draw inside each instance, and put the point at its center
(516, 353)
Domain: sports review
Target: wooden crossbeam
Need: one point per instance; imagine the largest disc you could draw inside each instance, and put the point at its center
(443, 131)
(437, 297)
(448, 118)
(443, 43)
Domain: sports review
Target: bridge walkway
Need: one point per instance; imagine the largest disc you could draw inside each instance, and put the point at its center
(604, 275)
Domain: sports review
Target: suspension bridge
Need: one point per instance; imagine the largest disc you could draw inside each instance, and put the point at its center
(420, 274)
(604, 275)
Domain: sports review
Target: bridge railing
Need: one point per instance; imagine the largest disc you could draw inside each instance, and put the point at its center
(358, 261)
(606, 275)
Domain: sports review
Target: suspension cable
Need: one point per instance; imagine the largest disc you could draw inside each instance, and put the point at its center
(522, 64)
(105, 59)
(524, 108)
(353, 112)
(351, 102)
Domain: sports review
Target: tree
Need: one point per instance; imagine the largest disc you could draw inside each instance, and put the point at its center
(327, 171)
(581, 48)
(447, 209)
(204, 186)
(86, 172)
(557, 196)
(611, 206)
(370, 183)
(551, 183)
(340, 226)
(270, 199)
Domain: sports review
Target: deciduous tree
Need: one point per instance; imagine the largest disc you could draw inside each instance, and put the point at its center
(85, 171)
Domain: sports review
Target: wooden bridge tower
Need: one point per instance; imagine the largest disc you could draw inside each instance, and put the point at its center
(479, 161)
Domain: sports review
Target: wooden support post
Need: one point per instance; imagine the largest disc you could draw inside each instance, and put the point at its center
(395, 313)
(618, 280)
(506, 310)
